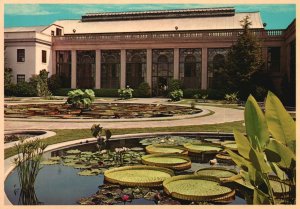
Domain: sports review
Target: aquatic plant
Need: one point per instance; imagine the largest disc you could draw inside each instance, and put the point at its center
(197, 188)
(146, 176)
(220, 172)
(79, 99)
(259, 155)
(165, 148)
(172, 161)
(96, 131)
(28, 166)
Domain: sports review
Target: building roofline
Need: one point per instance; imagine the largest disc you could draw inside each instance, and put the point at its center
(159, 14)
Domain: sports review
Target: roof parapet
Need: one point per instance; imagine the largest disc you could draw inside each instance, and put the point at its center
(159, 14)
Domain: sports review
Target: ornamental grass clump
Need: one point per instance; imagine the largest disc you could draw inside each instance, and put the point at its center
(27, 164)
(81, 99)
(261, 155)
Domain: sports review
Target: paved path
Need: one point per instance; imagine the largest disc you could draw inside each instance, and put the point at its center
(221, 115)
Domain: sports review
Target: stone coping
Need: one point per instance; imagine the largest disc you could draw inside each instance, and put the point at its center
(45, 134)
(204, 112)
(9, 166)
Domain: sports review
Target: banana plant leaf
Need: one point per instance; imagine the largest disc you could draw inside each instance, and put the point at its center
(280, 123)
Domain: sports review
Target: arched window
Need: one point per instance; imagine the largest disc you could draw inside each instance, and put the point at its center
(135, 67)
(85, 69)
(190, 68)
(110, 69)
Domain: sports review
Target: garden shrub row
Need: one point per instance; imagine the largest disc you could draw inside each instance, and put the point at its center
(212, 93)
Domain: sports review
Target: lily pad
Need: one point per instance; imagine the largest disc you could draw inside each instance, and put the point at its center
(172, 161)
(202, 147)
(158, 148)
(148, 176)
(197, 188)
(219, 172)
(73, 152)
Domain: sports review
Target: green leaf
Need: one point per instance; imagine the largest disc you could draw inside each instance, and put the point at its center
(259, 162)
(280, 123)
(239, 160)
(256, 126)
(242, 144)
(280, 154)
(278, 171)
(260, 198)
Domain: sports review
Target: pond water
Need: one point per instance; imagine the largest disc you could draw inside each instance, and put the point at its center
(97, 110)
(61, 185)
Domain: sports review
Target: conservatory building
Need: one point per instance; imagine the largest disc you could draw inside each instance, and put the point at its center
(113, 50)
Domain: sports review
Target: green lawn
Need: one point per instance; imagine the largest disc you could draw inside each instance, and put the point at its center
(73, 134)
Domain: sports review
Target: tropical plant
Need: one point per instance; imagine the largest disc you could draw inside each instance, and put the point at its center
(176, 95)
(259, 155)
(28, 166)
(231, 98)
(125, 93)
(97, 131)
(79, 99)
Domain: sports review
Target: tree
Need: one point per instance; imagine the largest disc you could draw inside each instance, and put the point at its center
(244, 60)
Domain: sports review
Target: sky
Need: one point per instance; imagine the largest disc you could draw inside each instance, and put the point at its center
(277, 16)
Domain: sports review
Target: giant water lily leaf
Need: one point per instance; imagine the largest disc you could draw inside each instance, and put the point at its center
(280, 123)
(280, 154)
(242, 144)
(256, 126)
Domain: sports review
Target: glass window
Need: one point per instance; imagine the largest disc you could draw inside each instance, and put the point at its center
(20, 55)
(110, 69)
(20, 78)
(44, 56)
(63, 67)
(52, 33)
(273, 59)
(190, 67)
(85, 72)
(216, 62)
(58, 31)
(135, 67)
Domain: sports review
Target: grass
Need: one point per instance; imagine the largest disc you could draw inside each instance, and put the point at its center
(212, 103)
(73, 134)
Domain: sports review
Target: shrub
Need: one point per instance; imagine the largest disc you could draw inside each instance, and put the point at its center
(106, 92)
(125, 93)
(231, 98)
(7, 76)
(143, 90)
(79, 99)
(260, 93)
(176, 95)
(21, 89)
(174, 85)
(40, 83)
(54, 83)
(62, 91)
(189, 93)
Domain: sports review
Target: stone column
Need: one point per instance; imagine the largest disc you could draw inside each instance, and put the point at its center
(176, 63)
(98, 69)
(73, 71)
(123, 68)
(204, 69)
(149, 67)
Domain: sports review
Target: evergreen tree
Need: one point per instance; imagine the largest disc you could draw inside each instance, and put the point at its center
(244, 60)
